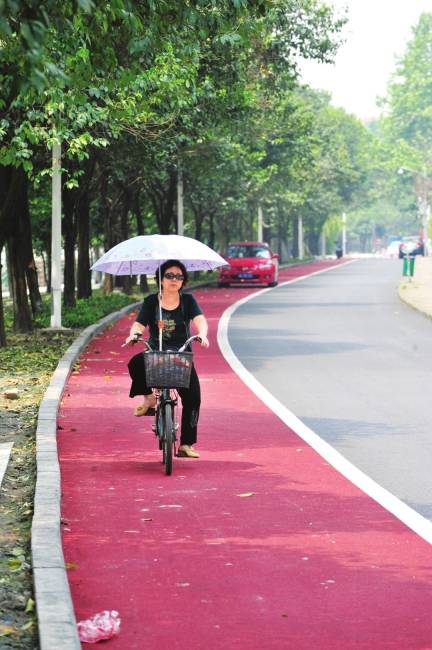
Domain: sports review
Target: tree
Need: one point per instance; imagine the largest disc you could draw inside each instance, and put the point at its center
(407, 126)
(98, 75)
(125, 67)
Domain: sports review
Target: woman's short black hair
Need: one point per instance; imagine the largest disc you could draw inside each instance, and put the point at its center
(167, 265)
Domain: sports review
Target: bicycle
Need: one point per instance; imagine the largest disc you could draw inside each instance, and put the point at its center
(167, 370)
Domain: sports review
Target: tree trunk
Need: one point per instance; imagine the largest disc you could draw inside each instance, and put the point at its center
(8, 266)
(45, 274)
(69, 241)
(144, 288)
(212, 234)
(170, 201)
(83, 230)
(49, 267)
(15, 228)
(3, 341)
(108, 284)
(21, 311)
(33, 287)
(138, 213)
(140, 230)
(163, 199)
(313, 242)
(82, 216)
(199, 220)
(295, 237)
(10, 181)
(27, 248)
(126, 279)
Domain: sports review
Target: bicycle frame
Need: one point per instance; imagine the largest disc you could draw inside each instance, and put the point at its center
(165, 424)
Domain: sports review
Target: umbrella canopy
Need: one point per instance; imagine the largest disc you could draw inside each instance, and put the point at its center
(145, 253)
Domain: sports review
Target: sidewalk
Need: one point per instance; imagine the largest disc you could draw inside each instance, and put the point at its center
(418, 292)
(259, 544)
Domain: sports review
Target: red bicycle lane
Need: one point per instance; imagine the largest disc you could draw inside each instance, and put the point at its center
(259, 544)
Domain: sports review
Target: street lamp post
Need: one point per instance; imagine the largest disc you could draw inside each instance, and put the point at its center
(344, 234)
(300, 242)
(56, 273)
(260, 223)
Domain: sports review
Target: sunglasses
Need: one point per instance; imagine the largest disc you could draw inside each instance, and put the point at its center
(173, 276)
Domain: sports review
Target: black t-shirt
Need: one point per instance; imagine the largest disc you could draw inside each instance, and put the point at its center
(175, 321)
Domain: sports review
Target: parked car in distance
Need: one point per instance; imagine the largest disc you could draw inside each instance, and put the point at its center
(410, 246)
(392, 249)
(249, 262)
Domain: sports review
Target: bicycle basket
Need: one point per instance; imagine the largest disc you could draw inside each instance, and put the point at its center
(168, 369)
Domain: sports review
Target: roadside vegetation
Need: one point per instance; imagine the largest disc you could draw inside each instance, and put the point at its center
(26, 369)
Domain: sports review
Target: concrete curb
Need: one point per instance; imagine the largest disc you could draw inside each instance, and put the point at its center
(425, 309)
(56, 616)
(417, 291)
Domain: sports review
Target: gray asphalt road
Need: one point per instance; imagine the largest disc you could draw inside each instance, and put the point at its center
(354, 364)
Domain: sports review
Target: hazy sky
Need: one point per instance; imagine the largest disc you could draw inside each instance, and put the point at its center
(376, 34)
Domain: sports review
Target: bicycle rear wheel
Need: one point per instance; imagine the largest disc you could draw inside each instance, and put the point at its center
(167, 438)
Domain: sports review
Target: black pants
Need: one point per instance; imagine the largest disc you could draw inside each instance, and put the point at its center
(190, 397)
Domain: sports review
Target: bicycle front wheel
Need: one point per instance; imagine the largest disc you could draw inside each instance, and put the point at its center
(168, 438)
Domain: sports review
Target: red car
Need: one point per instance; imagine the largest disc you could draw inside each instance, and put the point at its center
(249, 262)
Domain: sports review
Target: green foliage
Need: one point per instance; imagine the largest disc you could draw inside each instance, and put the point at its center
(132, 88)
(87, 311)
(400, 168)
(410, 90)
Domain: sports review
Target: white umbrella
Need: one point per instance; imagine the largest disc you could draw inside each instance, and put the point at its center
(144, 254)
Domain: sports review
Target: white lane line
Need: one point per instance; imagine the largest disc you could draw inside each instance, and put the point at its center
(411, 518)
(5, 451)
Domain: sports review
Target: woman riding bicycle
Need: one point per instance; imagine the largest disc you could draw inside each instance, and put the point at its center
(178, 310)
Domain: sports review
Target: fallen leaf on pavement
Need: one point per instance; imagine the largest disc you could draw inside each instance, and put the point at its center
(71, 565)
(30, 605)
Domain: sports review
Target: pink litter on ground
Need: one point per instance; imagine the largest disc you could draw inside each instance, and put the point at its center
(100, 627)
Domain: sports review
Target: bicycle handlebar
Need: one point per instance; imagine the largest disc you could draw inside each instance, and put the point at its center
(191, 339)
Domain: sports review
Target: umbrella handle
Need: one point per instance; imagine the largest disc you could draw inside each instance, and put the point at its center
(160, 321)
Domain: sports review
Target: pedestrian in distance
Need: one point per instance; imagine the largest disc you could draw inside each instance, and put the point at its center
(174, 314)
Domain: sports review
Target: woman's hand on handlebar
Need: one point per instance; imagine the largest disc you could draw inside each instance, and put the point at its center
(133, 338)
(198, 338)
